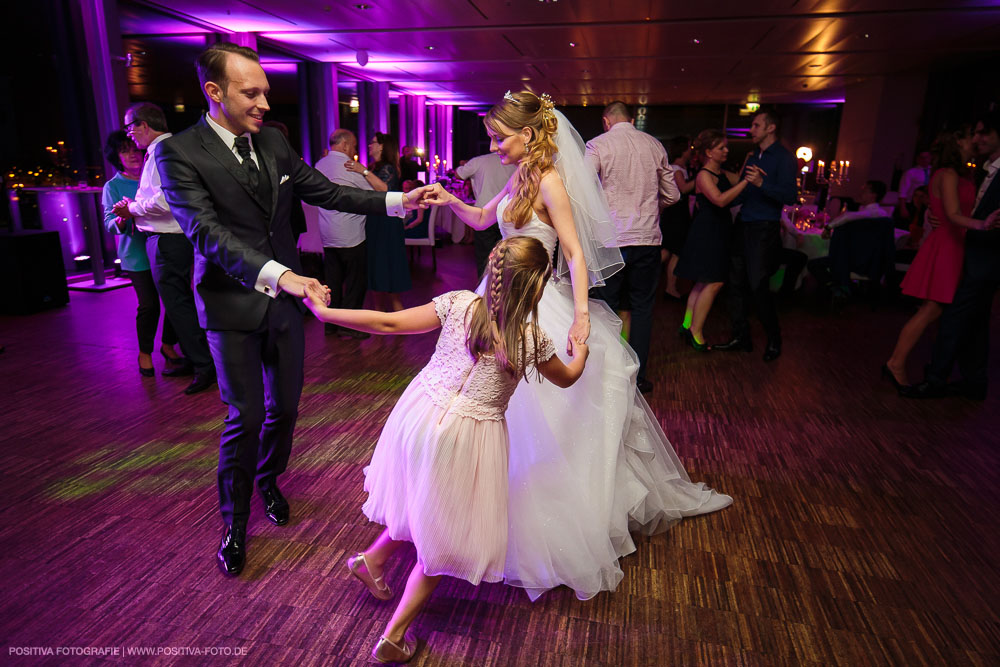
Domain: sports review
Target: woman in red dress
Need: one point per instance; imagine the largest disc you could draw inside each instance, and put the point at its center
(937, 268)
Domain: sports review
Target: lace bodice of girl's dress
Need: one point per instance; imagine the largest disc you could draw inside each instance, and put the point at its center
(455, 381)
(534, 228)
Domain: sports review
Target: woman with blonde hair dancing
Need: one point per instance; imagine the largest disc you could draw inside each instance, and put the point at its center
(590, 463)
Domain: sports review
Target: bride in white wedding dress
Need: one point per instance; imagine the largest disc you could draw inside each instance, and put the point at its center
(589, 464)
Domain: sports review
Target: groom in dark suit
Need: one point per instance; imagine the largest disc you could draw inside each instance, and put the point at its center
(963, 334)
(231, 186)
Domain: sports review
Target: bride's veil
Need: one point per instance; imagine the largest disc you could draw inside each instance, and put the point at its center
(597, 232)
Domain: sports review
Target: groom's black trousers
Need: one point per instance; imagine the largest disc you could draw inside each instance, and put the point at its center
(260, 379)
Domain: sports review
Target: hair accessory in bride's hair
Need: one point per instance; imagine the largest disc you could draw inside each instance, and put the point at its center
(547, 105)
(508, 96)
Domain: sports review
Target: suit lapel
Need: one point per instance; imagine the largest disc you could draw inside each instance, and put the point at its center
(267, 159)
(211, 142)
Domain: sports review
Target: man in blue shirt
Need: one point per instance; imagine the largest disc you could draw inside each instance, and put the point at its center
(756, 243)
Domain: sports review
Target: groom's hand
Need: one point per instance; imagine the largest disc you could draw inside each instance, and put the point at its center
(303, 287)
(415, 198)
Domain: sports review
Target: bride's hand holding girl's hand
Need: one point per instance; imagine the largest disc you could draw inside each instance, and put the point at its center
(580, 330)
(435, 195)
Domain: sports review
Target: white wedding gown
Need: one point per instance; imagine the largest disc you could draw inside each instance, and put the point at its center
(588, 463)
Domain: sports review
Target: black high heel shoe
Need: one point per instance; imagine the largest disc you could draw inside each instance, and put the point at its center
(684, 332)
(700, 347)
(147, 372)
(887, 374)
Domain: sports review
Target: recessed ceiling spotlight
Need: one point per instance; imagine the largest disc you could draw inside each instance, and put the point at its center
(429, 48)
(572, 43)
(866, 35)
(696, 41)
(362, 5)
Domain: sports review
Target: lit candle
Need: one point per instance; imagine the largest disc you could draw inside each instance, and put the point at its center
(847, 168)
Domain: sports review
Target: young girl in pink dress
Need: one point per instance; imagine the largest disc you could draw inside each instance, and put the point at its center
(438, 477)
(934, 274)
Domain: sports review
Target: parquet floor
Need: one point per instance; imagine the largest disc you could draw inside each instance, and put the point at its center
(864, 531)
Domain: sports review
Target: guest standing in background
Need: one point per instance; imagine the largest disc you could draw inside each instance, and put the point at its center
(345, 251)
(675, 220)
(126, 157)
(488, 176)
(756, 245)
(964, 331)
(915, 176)
(637, 181)
(705, 255)
(388, 269)
(171, 255)
(935, 272)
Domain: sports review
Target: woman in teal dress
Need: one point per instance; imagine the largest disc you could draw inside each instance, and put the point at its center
(127, 159)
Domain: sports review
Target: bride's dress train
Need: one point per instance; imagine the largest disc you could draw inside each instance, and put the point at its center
(590, 463)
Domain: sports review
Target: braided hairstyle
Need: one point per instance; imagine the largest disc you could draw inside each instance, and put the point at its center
(517, 272)
(517, 111)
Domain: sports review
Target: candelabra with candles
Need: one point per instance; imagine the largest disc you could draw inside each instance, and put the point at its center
(837, 172)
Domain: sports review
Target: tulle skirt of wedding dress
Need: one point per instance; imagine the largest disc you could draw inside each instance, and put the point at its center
(588, 464)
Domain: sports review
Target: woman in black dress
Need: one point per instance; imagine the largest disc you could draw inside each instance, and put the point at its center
(675, 220)
(388, 268)
(705, 256)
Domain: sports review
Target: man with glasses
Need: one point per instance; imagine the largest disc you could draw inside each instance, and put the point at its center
(171, 255)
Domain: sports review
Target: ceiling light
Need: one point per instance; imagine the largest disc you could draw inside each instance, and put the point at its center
(696, 40)
(815, 65)
(429, 48)
(572, 43)
(362, 5)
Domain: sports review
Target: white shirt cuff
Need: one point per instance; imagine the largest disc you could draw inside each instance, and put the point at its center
(267, 279)
(394, 205)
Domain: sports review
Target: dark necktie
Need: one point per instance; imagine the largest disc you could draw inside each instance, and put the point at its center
(249, 166)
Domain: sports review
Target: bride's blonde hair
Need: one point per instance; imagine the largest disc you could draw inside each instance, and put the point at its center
(517, 272)
(518, 111)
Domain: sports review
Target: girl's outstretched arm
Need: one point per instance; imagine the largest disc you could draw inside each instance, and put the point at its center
(410, 321)
(564, 375)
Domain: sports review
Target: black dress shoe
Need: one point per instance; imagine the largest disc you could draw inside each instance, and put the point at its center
(178, 371)
(772, 351)
(645, 386)
(736, 343)
(924, 390)
(200, 382)
(233, 550)
(275, 506)
(973, 392)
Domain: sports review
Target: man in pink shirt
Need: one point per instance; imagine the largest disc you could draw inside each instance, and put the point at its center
(637, 179)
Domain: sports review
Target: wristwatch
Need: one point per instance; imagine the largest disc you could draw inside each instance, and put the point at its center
(365, 172)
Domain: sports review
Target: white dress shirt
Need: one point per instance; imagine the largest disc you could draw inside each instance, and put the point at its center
(150, 208)
(336, 228)
(991, 169)
(865, 212)
(267, 279)
(488, 174)
(912, 179)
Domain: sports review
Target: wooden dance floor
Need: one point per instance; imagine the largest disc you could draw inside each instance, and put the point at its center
(864, 529)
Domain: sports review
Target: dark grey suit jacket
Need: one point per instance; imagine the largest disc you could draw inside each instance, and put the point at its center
(234, 234)
(982, 249)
